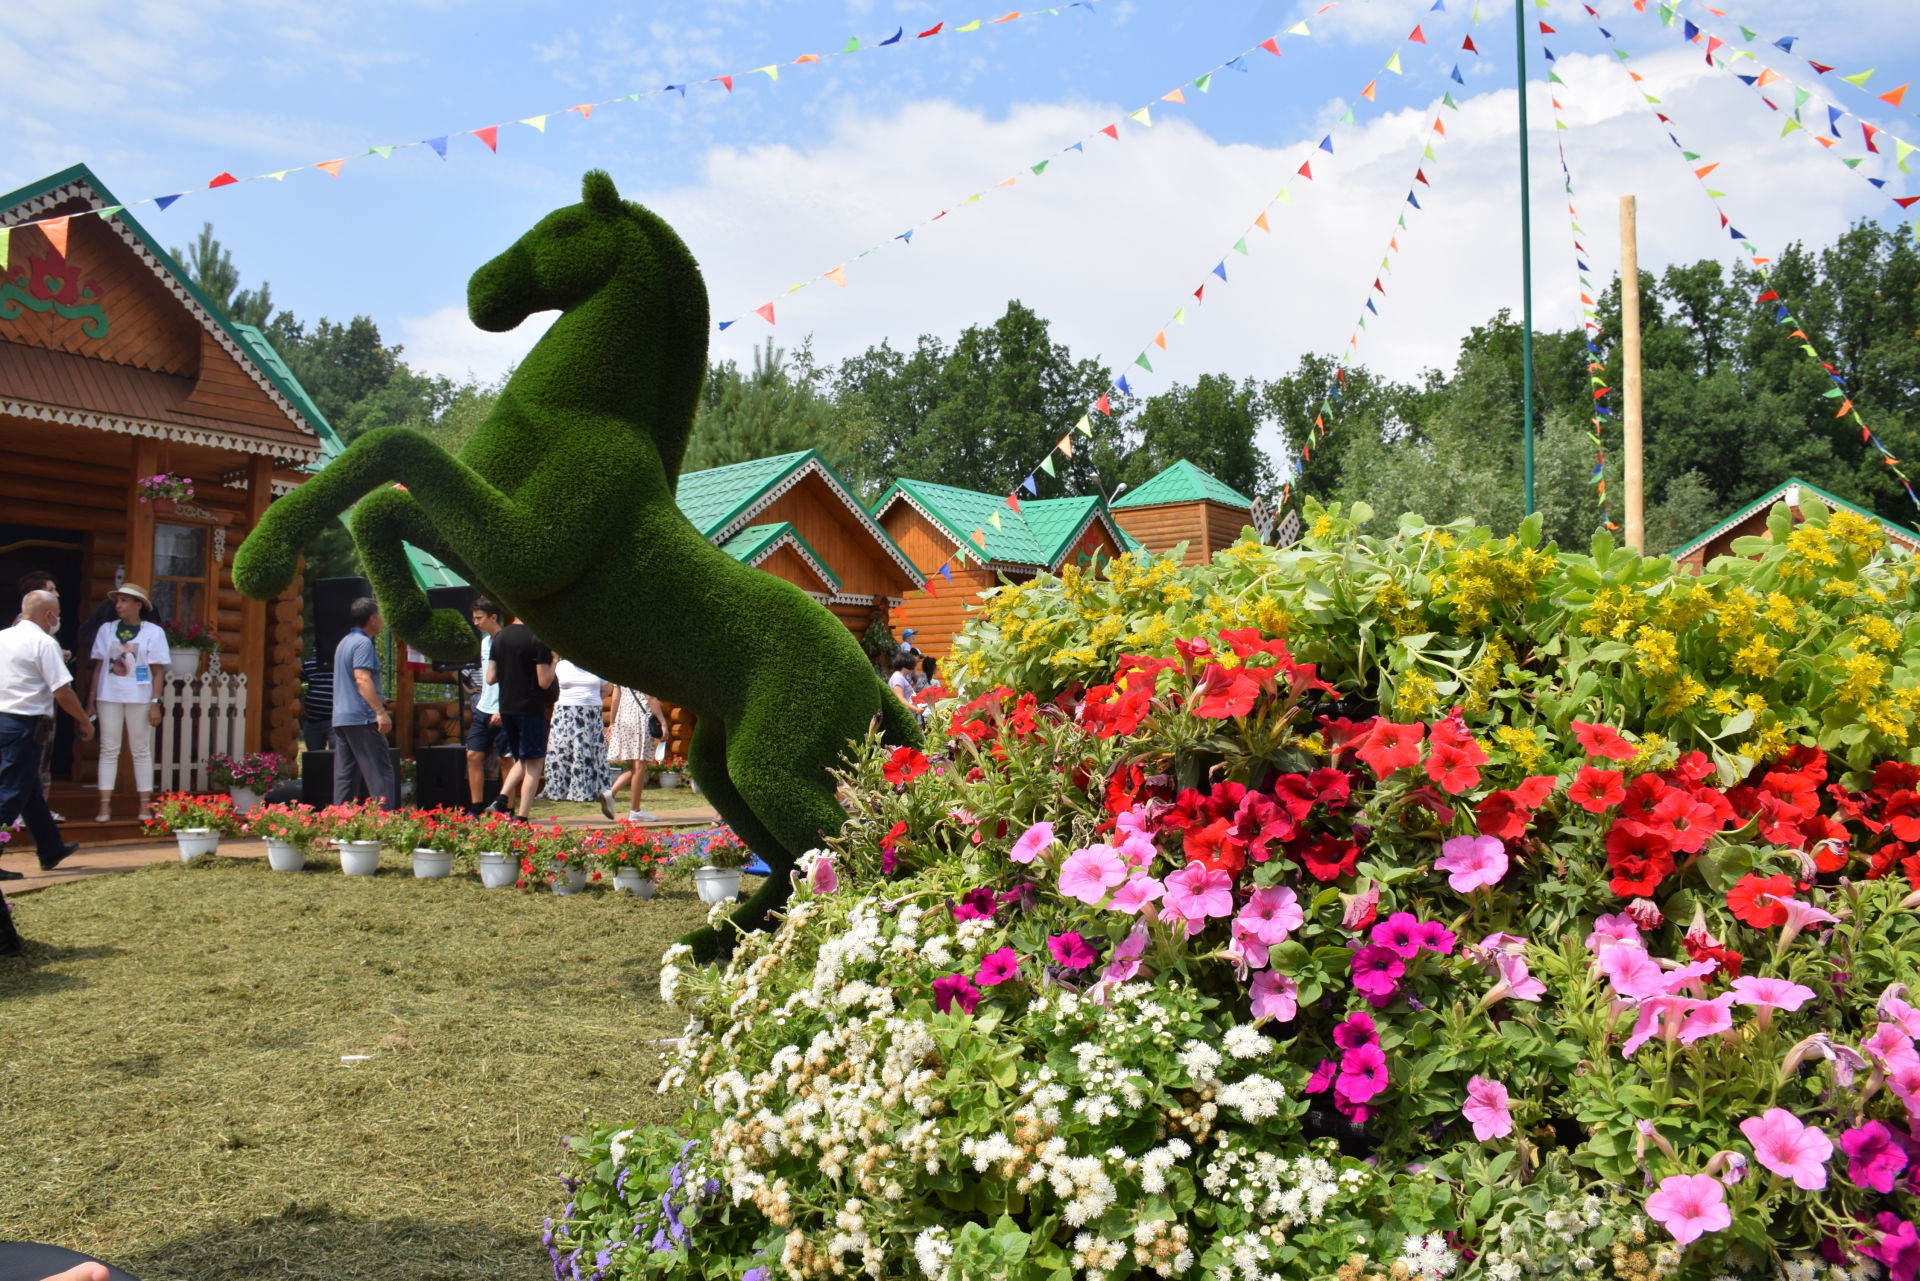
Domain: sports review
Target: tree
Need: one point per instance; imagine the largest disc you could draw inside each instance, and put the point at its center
(209, 265)
(1212, 425)
(776, 408)
(355, 379)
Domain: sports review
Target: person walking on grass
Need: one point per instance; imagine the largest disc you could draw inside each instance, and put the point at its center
(523, 669)
(485, 737)
(362, 762)
(576, 768)
(130, 661)
(630, 745)
(33, 680)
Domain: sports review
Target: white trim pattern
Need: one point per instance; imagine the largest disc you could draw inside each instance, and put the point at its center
(813, 467)
(95, 421)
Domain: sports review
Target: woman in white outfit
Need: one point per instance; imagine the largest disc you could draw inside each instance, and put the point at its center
(129, 677)
(576, 744)
(630, 744)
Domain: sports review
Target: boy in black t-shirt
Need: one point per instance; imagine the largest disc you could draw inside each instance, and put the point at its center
(523, 669)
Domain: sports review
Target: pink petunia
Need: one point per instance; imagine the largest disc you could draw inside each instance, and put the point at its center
(1125, 961)
(1275, 996)
(1612, 929)
(1895, 1010)
(1801, 914)
(1689, 1206)
(1472, 862)
(1875, 1157)
(1271, 914)
(1197, 892)
(1633, 973)
(822, 879)
(1137, 849)
(1657, 1015)
(1071, 951)
(1322, 1079)
(1377, 971)
(1890, 1045)
(1089, 873)
(1789, 1147)
(955, 989)
(1031, 842)
(1133, 897)
(1707, 1018)
(1355, 1031)
(1245, 948)
(1436, 937)
(1486, 1109)
(1401, 932)
(997, 967)
(1519, 983)
(1363, 1073)
(1776, 994)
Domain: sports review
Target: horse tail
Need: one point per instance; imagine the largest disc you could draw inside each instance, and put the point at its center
(898, 725)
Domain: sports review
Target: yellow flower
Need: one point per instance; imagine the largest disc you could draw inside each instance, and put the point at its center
(1655, 753)
(1864, 672)
(1311, 744)
(1885, 721)
(1524, 745)
(1679, 696)
(1659, 653)
(1878, 631)
(1864, 536)
(1272, 620)
(1171, 592)
(1612, 615)
(1322, 526)
(1721, 701)
(1738, 614)
(1781, 612)
(1756, 658)
(1416, 696)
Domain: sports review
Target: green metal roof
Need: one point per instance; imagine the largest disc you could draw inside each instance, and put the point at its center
(960, 512)
(712, 498)
(1183, 483)
(1778, 494)
(756, 542)
(1056, 522)
(276, 373)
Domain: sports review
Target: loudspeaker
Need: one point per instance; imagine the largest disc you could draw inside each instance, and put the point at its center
(440, 776)
(316, 775)
(332, 598)
(459, 598)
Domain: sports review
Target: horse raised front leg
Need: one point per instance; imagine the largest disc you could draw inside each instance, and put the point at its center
(384, 520)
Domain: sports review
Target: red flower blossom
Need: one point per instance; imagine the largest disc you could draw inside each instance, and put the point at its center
(1744, 899)
(1501, 815)
(1597, 790)
(1640, 857)
(1455, 767)
(1258, 822)
(1388, 747)
(1688, 822)
(1225, 692)
(1603, 740)
(1193, 651)
(892, 838)
(1694, 767)
(1327, 859)
(1247, 641)
(1535, 791)
(1297, 793)
(1215, 846)
(1894, 776)
(1702, 946)
(1902, 814)
(1331, 787)
(1109, 711)
(905, 765)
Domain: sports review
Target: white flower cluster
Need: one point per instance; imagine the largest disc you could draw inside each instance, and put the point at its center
(1571, 1245)
(670, 971)
(1813, 1268)
(1245, 1041)
(1271, 1187)
(1094, 1257)
(931, 1250)
(1256, 1098)
(1155, 1164)
(1247, 1256)
(1201, 1062)
(1427, 1257)
(1161, 1245)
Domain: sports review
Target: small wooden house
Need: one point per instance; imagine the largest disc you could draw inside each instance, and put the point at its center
(114, 367)
(1751, 522)
(1184, 505)
(994, 542)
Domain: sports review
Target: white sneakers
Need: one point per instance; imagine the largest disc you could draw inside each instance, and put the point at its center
(641, 816)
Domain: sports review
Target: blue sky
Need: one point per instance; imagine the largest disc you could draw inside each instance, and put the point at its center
(773, 183)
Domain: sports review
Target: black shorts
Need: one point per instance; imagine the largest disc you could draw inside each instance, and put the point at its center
(526, 736)
(484, 736)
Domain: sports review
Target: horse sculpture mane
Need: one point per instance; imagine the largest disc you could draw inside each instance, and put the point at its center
(561, 507)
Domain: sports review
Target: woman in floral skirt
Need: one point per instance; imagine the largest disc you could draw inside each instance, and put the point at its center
(576, 743)
(630, 744)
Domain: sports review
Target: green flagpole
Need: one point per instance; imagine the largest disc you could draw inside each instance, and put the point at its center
(1526, 258)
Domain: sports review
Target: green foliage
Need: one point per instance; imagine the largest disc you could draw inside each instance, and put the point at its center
(1212, 424)
(777, 407)
(209, 265)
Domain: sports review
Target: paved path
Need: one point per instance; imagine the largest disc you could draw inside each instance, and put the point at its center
(99, 858)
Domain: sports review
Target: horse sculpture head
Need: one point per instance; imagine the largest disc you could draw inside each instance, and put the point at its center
(644, 348)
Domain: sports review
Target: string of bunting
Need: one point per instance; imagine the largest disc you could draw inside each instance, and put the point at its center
(489, 135)
(1782, 314)
(1829, 140)
(1336, 384)
(1590, 319)
(1895, 98)
(1064, 447)
(1112, 130)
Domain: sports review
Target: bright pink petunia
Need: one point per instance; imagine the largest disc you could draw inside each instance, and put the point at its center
(1134, 896)
(1275, 996)
(1271, 914)
(823, 879)
(1778, 994)
(1707, 1018)
(1070, 950)
(1356, 1030)
(955, 989)
(1436, 937)
(1875, 1158)
(1689, 1206)
(997, 967)
(1520, 985)
(1472, 862)
(1377, 972)
(1031, 842)
(1613, 929)
(1197, 892)
(1089, 873)
(1363, 1073)
(1898, 1246)
(1125, 962)
(1632, 973)
(1401, 932)
(1789, 1147)
(1486, 1109)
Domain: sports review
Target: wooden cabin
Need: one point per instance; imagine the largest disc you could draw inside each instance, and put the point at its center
(1184, 505)
(113, 367)
(992, 542)
(1751, 522)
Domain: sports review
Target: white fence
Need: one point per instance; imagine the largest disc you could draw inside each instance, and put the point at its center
(206, 715)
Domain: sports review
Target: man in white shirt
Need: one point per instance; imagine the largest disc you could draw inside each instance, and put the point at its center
(33, 678)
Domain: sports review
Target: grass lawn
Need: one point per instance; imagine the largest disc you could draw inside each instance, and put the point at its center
(664, 802)
(175, 1095)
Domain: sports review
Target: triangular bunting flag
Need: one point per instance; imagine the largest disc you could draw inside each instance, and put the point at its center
(1220, 269)
(1240, 245)
(1305, 170)
(1271, 45)
(1326, 144)
(1416, 37)
(385, 153)
(1065, 446)
(1203, 82)
(1160, 340)
(1013, 501)
(224, 180)
(765, 312)
(538, 122)
(1393, 64)
(490, 135)
(1860, 78)
(838, 276)
(1173, 95)
(934, 30)
(1142, 361)
(439, 146)
(1029, 486)
(1102, 406)
(331, 166)
(1261, 221)
(993, 518)
(55, 230)
(1144, 116)
(1466, 46)
(586, 108)
(895, 37)
(1368, 92)
(165, 201)
(971, 26)
(1112, 131)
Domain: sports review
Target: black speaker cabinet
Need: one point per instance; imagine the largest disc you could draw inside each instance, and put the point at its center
(440, 776)
(316, 776)
(332, 598)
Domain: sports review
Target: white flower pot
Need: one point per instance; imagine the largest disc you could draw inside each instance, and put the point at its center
(359, 858)
(669, 778)
(285, 856)
(245, 799)
(432, 865)
(638, 884)
(498, 871)
(572, 881)
(195, 841)
(717, 884)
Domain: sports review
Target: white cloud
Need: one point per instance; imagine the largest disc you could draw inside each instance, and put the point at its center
(445, 342)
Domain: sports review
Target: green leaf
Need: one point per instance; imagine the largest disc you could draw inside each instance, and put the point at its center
(1529, 533)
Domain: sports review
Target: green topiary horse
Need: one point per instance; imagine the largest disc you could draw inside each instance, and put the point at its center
(561, 507)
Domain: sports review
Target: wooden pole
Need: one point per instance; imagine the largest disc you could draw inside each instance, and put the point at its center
(1635, 499)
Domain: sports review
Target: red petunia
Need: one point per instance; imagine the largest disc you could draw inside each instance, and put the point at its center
(1689, 822)
(1247, 641)
(1327, 859)
(1702, 946)
(1389, 747)
(1534, 792)
(1640, 857)
(1501, 815)
(1603, 740)
(1225, 692)
(892, 838)
(1902, 814)
(905, 765)
(1597, 790)
(1455, 767)
(1331, 787)
(1744, 899)
(1215, 846)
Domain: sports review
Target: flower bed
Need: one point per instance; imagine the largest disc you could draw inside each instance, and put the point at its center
(1215, 941)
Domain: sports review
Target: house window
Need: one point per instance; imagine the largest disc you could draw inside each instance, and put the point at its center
(180, 573)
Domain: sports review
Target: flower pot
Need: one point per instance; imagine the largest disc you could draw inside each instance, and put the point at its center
(669, 778)
(432, 865)
(359, 858)
(244, 799)
(717, 884)
(570, 880)
(498, 871)
(195, 841)
(285, 856)
(636, 883)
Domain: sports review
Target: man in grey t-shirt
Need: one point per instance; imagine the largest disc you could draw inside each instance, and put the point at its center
(362, 763)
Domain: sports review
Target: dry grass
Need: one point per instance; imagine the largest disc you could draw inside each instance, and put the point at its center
(175, 1098)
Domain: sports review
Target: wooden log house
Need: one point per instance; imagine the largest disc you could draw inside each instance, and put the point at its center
(1184, 504)
(1750, 521)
